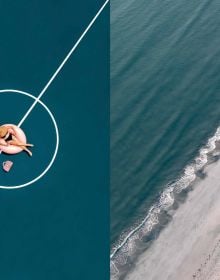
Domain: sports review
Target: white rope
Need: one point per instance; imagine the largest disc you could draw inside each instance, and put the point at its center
(62, 64)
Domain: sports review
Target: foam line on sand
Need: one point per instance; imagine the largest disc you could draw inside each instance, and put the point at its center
(189, 246)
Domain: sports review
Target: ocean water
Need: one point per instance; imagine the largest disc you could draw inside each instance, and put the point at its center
(165, 111)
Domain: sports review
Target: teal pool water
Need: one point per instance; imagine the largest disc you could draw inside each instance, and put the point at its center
(55, 229)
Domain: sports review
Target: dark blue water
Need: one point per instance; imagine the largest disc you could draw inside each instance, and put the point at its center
(56, 228)
(165, 99)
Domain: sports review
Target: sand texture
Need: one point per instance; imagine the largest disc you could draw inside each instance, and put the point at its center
(189, 247)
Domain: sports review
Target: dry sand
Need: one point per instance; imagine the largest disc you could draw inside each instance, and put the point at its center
(189, 247)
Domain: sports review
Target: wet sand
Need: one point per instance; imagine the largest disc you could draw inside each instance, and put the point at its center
(189, 247)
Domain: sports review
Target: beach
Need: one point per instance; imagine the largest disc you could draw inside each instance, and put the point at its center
(164, 112)
(164, 99)
(189, 247)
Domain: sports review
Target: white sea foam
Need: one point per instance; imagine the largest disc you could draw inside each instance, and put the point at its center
(126, 247)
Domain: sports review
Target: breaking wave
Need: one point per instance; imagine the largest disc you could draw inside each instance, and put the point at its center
(129, 244)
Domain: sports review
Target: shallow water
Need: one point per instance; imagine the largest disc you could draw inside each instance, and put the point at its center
(164, 99)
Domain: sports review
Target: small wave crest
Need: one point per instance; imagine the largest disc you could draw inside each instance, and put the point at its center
(129, 243)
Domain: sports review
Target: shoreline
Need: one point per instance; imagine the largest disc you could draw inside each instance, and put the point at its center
(187, 247)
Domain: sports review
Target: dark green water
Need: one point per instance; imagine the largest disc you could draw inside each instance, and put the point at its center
(165, 98)
(55, 228)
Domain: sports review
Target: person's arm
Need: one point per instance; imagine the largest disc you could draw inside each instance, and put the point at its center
(11, 130)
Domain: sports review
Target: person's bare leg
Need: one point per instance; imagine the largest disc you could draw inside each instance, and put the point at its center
(27, 150)
(22, 146)
(15, 143)
(19, 143)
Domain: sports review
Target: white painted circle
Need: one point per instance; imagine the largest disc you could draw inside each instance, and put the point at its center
(57, 139)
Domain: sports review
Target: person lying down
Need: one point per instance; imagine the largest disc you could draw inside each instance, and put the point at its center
(8, 137)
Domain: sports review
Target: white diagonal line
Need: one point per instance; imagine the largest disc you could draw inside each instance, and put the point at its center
(62, 64)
